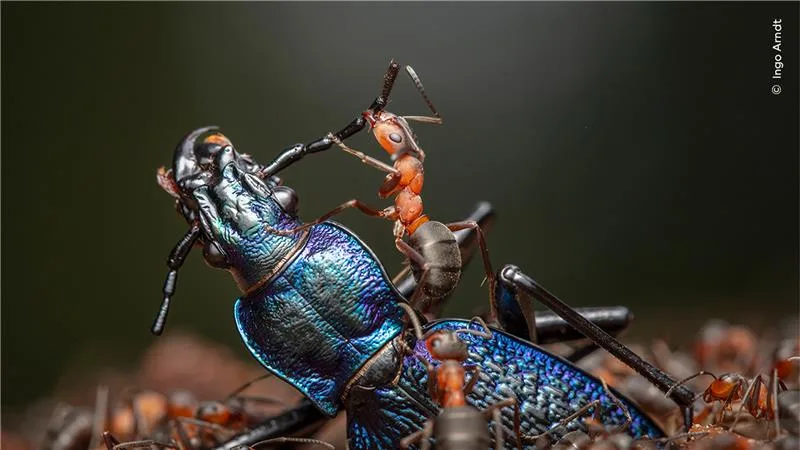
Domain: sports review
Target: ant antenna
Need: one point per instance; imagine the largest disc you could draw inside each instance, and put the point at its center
(486, 333)
(418, 83)
(247, 385)
(414, 319)
(620, 405)
(683, 381)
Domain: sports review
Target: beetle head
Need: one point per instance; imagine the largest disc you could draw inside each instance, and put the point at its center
(219, 188)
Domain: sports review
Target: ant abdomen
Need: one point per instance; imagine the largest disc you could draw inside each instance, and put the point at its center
(438, 245)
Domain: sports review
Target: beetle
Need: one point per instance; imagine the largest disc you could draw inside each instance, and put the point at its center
(320, 312)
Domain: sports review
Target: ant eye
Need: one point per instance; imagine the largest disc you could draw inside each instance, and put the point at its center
(395, 137)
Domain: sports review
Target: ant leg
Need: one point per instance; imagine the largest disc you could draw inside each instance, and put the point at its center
(487, 264)
(620, 405)
(387, 213)
(423, 435)
(748, 400)
(368, 160)
(283, 440)
(476, 373)
(772, 404)
(402, 276)
(497, 407)
(511, 282)
(202, 424)
(144, 443)
(174, 262)
(530, 439)
(418, 299)
(499, 435)
(484, 215)
(100, 415)
(181, 436)
(109, 440)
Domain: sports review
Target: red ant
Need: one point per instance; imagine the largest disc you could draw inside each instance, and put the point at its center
(757, 397)
(432, 248)
(465, 426)
(179, 417)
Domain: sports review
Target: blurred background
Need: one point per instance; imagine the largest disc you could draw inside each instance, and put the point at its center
(634, 153)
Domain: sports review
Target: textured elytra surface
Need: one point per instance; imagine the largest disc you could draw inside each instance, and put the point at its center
(323, 317)
(547, 389)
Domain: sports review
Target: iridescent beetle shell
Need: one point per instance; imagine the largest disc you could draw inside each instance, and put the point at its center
(320, 312)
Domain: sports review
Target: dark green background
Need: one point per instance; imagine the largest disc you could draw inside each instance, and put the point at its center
(634, 153)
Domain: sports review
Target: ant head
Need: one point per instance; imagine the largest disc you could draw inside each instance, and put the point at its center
(153, 407)
(392, 133)
(182, 404)
(445, 345)
(214, 412)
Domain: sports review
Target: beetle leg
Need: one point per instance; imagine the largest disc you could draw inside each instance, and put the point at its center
(511, 281)
(298, 151)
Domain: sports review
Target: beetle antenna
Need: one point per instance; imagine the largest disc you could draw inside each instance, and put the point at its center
(388, 83)
(418, 83)
(174, 262)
